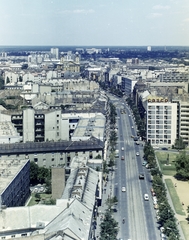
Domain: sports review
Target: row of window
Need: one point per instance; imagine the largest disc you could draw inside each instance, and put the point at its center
(159, 136)
(160, 107)
(160, 141)
(159, 112)
(158, 122)
(159, 126)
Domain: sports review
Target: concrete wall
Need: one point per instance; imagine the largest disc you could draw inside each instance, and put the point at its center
(58, 182)
(28, 125)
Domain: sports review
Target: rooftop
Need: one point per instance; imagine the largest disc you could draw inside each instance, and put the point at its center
(8, 170)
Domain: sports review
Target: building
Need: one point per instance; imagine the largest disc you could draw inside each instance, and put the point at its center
(55, 53)
(53, 154)
(128, 83)
(71, 218)
(15, 181)
(161, 121)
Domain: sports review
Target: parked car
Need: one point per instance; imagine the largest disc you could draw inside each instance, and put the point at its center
(137, 153)
(122, 158)
(123, 189)
(146, 197)
(144, 163)
(164, 148)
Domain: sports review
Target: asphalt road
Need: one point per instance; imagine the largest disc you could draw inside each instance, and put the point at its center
(140, 222)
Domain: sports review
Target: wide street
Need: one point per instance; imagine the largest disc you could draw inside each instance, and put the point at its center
(140, 221)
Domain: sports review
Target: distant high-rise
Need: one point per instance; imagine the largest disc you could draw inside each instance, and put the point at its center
(55, 53)
(149, 48)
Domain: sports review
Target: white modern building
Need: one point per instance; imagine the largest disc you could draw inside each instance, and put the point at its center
(128, 83)
(161, 117)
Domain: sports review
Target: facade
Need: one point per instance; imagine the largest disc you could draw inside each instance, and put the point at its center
(183, 120)
(127, 84)
(55, 53)
(161, 121)
(53, 154)
(71, 218)
(15, 181)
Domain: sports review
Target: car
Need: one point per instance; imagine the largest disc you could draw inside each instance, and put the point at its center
(132, 127)
(129, 115)
(144, 163)
(162, 229)
(163, 236)
(137, 153)
(156, 206)
(122, 158)
(123, 189)
(154, 198)
(141, 175)
(146, 197)
(137, 143)
(164, 148)
(122, 148)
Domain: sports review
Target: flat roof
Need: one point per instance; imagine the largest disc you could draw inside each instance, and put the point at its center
(8, 170)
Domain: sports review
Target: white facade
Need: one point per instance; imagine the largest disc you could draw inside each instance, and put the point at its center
(128, 83)
(161, 117)
(55, 52)
(28, 125)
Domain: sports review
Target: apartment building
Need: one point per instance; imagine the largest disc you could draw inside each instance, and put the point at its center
(71, 218)
(161, 121)
(53, 154)
(183, 119)
(128, 83)
(15, 181)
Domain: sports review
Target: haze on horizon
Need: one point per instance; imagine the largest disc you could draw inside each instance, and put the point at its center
(94, 23)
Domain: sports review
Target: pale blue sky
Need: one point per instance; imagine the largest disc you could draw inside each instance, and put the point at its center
(94, 22)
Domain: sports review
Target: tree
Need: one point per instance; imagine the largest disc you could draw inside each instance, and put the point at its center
(109, 227)
(43, 174)
(179, 143)
(182, 166)
(188, 213)
(39, 174)
(110, 202)
(33, 172)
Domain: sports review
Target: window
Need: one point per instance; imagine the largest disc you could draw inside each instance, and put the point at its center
(57, 121)
(57, 134)
(52, 159)
(35, 160)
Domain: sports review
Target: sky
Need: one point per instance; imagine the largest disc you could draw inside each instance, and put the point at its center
(94, 22)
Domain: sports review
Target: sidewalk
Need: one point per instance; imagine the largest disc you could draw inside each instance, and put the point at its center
(108, 191)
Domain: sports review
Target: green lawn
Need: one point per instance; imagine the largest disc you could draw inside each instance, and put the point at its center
(185, 229)
(162, 160)
(44, 199)
(174, 196)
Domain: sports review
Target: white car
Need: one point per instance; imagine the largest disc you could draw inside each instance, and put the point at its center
(122, 148)
(123, 189)
(146, 197)
(137, 153)
(132, 127)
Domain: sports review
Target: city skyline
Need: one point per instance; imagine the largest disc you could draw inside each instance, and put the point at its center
(105, 23)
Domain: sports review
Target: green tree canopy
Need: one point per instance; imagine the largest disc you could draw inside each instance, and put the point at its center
(182, 166)
(38, 174)
(109, 227)
(179, 144)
